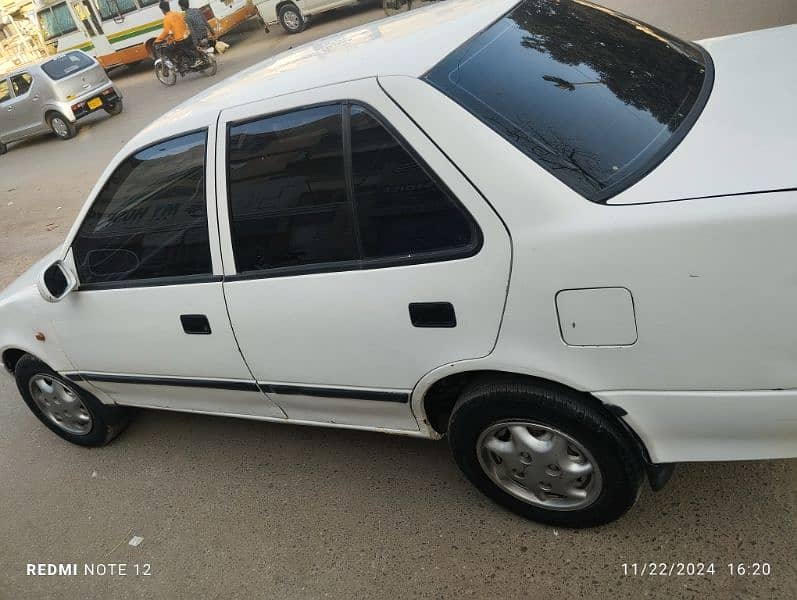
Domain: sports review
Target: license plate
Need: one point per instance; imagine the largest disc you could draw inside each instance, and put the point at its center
(94, 103)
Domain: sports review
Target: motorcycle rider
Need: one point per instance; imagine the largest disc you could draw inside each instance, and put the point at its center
(174, 25)
(201, 32)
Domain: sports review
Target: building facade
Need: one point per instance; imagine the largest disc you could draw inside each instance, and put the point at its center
(20, 40)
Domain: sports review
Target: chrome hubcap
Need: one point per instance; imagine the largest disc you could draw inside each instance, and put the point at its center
(59, 127)
(60, 404)
(292, 20)
(539, 464)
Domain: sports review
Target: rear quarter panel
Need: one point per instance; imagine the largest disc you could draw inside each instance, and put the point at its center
(713, 281)
(714, 288)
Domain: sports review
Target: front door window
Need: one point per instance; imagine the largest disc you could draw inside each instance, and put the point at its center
(150, 219)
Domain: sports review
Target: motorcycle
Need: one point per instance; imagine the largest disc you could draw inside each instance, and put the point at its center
(169, 61)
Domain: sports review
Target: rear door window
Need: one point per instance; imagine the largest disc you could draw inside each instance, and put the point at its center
(67, 64)
(401, 210)
(331, 188)
(287, 189)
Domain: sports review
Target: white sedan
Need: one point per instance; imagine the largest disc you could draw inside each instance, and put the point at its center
(557, 235)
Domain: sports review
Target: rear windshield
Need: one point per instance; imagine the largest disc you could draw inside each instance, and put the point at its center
(594, 97)
(67, 64)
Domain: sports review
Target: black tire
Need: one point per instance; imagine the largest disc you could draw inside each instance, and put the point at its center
(164, 74)
(291, 19)
(62, 127)
(115, 108)
(106, 421)
(212, 65)
(3, 148)
(487, 403)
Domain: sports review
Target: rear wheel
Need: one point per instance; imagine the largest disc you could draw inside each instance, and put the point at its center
(66, 409)
(62, 127)
(165, 75)
(114, 109)
(291, 19)
(545, 453)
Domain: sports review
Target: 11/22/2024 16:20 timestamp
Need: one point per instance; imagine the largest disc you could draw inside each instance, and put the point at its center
(695, 569)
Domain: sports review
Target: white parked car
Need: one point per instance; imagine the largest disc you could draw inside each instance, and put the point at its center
(293, 15)
(559, 236)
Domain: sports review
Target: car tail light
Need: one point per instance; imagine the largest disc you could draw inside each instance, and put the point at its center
(107, 92)
(78, 106)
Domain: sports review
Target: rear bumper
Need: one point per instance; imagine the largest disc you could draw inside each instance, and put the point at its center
(79, 107)
(683, 426)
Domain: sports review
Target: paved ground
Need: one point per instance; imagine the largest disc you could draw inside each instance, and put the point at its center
(232, 508)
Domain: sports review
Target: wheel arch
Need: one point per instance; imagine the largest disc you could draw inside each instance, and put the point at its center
(48, 111)
(280, 5)
(433, 404)
(11, 357)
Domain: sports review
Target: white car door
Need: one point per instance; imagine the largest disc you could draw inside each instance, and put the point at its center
(317, 6)
(313, 6)
(148, 324)
(357, 258)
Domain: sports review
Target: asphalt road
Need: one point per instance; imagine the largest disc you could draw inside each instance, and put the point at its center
(230, 508)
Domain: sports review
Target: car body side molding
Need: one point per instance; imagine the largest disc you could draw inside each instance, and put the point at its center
(249, 386)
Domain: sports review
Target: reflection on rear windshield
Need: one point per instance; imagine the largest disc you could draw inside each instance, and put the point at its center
(68, 64)
(590, 95)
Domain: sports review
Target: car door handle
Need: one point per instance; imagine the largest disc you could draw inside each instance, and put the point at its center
(195, 324)
(10, 108)
(433, 314)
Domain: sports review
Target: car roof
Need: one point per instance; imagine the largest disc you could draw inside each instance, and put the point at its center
(407, 44)
(36, 65)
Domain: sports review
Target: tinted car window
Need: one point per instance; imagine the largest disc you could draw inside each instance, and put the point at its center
(400, 209)
(592, 96)
(66, 64)
(287, 191)
(150, 219)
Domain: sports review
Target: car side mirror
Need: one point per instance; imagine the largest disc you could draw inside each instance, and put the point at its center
(56, 281)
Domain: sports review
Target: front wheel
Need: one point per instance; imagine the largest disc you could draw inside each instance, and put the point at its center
(211, 65)
(291, 19)
(166, 75)
(545, 453)
(114, 109)
(66, 409)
